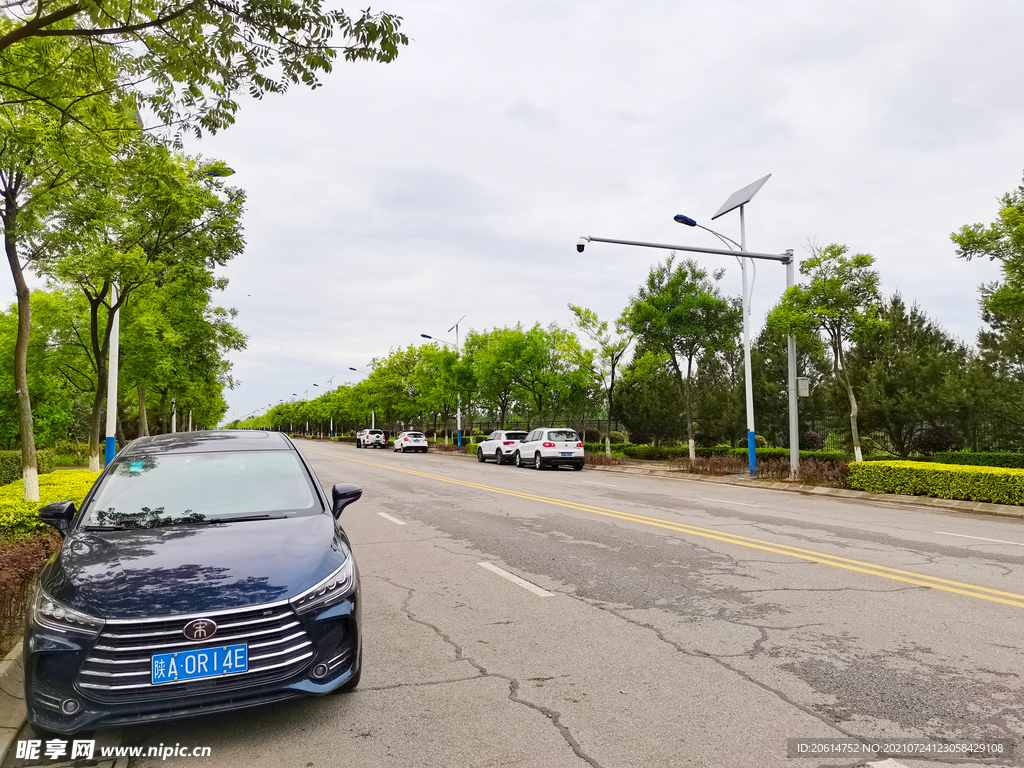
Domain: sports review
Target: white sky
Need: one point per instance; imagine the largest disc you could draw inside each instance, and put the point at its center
(456, 180)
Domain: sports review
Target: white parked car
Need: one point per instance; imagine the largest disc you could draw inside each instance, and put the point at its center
(371, 437)
(500, 445)
(550, 447)
(411, 441)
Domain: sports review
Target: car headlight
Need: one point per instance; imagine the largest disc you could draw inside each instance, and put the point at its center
(332, 589)
(54, 615)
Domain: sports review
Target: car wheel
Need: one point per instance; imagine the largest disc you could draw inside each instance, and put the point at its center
(480, 455)
(517, 460)
(498, 458)
(536, 461)
(577, 467)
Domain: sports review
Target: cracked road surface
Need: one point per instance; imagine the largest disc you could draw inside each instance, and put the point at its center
(705, 639)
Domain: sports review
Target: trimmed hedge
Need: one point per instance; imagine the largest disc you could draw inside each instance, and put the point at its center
(783, 453)
(10, 465)
(997, 485)
(599, 447)
(18, 517)
(982, 459)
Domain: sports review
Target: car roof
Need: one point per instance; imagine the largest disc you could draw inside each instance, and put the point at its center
(209, 441)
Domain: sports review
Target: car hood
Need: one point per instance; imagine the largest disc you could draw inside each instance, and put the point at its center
(193, 568)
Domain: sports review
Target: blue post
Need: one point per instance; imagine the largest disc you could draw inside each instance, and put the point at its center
(111, 449)
(460, 439)
(752, 453)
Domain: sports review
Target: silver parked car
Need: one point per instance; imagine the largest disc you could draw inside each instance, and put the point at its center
(500, 445)
(550, 447)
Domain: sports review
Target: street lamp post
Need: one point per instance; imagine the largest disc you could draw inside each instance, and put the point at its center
(458, 392)
(738, 200)
(373, 413)
(110, 444)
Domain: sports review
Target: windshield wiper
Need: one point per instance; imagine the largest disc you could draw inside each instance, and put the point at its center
(105, 528)
(242, 519)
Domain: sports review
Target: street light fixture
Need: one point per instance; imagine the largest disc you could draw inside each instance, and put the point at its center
(458, 392)
(373, 413)
(738, 200)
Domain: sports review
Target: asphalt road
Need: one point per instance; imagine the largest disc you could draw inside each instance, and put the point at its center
(657, 622)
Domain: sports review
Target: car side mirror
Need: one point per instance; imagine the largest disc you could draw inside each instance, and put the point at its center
(59, 514)
(344, 494)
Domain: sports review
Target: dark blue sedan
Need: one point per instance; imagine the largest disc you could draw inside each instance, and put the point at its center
(205, 572)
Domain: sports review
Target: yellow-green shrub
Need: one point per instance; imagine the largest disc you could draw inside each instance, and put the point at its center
(944, 481)
(18, 517)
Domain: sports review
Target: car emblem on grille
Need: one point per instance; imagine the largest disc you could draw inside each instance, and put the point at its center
(200, 629)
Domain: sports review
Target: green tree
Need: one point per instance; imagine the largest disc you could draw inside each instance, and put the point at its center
(610, 350)
(154, 218)
(1001, 344)
(186, 60)
(905, 367)
(43, 151)
(648, 401)
(839, 299)
(681, 312)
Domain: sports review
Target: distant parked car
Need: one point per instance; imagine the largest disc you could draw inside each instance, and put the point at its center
(546, 447)
(371, 438)
(411, 441)
(500, 445)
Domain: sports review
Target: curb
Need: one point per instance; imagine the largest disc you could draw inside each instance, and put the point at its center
(12, 699)
(955, 505)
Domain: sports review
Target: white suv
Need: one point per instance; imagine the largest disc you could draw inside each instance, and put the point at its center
(371, 437)
(500, 445)
(550, 447)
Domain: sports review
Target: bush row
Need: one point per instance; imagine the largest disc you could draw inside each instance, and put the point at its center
(18, 517)
(10, 465)
(783, 453)
(599, 447)
(982, 459)
(997, 485)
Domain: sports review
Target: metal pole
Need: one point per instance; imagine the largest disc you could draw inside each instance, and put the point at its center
(794, 420)
(174, 415)
(749, 384)
(189, 419)
(458, 404)
(110, 447)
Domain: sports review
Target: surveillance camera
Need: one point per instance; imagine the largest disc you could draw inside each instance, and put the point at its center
(581, 244)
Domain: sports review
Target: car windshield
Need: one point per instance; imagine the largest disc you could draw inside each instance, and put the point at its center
(416, 434)
(152, 491)
(374, 432)
(562, 434)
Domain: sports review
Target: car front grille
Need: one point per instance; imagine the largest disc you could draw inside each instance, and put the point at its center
(118, 668)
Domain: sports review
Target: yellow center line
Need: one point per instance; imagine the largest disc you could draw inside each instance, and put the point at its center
(883, 571)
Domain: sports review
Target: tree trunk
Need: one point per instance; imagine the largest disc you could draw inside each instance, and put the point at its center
(95, 431)
(689, 410)
(854, 432)
(143, 419)
(26, 428)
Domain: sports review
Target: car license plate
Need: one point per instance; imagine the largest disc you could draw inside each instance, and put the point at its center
(199, 663)
(567, 454)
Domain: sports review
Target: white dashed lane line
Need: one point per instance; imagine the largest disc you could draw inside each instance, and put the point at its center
(981, 538)
(606, 485)
(394, 520)
(516, 580)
